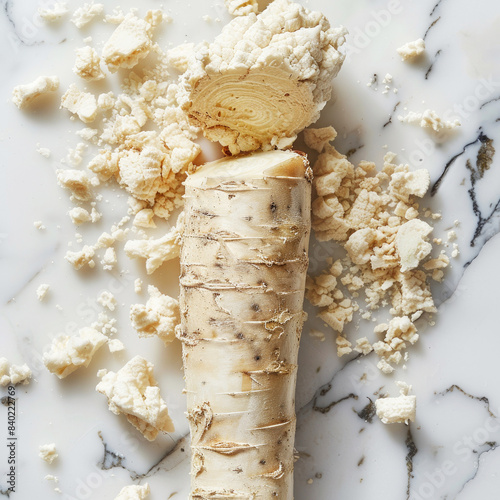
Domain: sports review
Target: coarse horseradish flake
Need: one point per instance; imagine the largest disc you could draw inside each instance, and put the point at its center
(241, 7)
(11, 374)
(159, 316)
(374, 215)
(68, 353)
(134, 492)
(134, 392)
(156, 251)
(131, 41)
(88, 64)
(48, 452)
(431, 121)
(115, 345)
(84, 14)
(42, 291)
(24, 95)
(411, 50)
(54, 12)
(397, 410)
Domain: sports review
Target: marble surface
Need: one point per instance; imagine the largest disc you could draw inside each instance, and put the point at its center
(449, 452)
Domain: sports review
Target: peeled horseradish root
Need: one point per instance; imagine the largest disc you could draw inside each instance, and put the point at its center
(264, 78)
(243, 272)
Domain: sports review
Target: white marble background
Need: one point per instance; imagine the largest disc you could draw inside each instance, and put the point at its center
(449, 452)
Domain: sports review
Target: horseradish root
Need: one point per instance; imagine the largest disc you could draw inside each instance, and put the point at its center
(243, 270)
(264, 78)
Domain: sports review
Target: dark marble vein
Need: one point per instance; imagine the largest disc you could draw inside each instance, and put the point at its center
(484, 159)
(435, 7)
(7, 8)
(7, 5)
(491, 446)
(368, 412)
(325, 389)
(412, 451)
(483, 399)
(489, 102)
(22, 40)
(391, 115)
(113, 459)
(431, 26)
(327, 408)
(179, 446)
(354, 150)
(481, 137)
(429, 69)
(110, 459)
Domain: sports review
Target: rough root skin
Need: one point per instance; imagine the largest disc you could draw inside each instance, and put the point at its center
(243, 270)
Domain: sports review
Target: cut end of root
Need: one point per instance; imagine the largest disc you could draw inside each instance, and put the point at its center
(291, 164)
(252, 110)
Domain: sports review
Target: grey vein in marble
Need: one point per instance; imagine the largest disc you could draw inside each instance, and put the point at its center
(489, 447)
(482, 399)
(450, 162)
(389, 121)
(412, 451)
(429, 69)
(112, 459)
(429, 28)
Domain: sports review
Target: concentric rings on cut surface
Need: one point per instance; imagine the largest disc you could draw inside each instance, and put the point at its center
(251, 110)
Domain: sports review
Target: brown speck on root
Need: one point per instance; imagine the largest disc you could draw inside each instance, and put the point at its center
(208, 214)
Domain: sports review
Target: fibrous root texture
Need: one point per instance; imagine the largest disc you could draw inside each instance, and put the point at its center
(243, 270)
